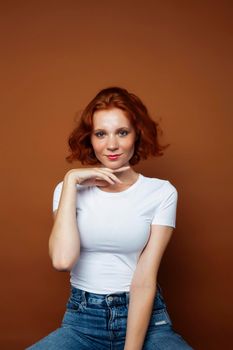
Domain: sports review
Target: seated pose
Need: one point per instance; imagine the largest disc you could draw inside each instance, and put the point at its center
(111, 228)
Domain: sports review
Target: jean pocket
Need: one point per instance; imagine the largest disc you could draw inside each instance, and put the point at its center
(160, 318)
(73, 304)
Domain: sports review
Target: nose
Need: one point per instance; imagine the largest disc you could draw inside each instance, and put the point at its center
(112, 144)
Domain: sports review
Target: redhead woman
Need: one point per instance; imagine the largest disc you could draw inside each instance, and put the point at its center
(111, 228)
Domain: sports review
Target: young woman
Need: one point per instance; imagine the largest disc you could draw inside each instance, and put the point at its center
(111, 228)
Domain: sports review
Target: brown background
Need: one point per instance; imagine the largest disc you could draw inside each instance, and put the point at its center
(177, 56)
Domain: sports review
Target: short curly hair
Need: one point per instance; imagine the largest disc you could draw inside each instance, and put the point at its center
(147, 130)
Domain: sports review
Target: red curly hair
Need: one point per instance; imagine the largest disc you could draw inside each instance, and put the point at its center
(147, 130)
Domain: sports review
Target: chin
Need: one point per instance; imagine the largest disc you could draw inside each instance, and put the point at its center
(115, 164)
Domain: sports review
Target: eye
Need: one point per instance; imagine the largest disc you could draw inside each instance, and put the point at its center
(123, 132)
(99, 134)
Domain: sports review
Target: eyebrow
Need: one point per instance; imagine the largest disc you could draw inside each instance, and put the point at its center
(118, 129)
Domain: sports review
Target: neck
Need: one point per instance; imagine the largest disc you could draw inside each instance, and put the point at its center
(127, 175)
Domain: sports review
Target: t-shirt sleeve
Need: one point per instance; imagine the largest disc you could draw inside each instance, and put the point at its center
(57, 195)
(165, 213)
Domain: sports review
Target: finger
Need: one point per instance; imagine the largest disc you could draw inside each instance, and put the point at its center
(111, 175)
(107, 178)
(115, 178)
(101, 183)
(114, 170)
(121, 169)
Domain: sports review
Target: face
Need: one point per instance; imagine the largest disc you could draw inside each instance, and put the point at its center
(112, 138)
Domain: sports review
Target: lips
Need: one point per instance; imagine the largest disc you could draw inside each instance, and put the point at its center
(113, 156)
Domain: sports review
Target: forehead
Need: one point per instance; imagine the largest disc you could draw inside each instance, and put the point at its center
(114, 117)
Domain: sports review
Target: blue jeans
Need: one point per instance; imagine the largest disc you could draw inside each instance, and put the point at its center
(98, 322)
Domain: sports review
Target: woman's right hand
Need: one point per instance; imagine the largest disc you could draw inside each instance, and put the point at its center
(95, 176)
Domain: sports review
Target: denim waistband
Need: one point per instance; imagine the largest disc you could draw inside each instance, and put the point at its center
(115, 298)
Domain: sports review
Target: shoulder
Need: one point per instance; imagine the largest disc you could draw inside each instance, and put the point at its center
(154, 183)
(58, 186)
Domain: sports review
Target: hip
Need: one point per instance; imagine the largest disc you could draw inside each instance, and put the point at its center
(100, 314)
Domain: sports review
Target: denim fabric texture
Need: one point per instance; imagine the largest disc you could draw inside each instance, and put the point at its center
(98, 322)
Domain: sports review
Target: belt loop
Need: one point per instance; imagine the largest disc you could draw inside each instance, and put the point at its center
(127, 297)
(84, 300)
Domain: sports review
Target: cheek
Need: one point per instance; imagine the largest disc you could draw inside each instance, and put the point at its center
(97, 146)
(130, 144)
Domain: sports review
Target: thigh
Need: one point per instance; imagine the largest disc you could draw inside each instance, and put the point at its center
(161, 335)
(63, 338)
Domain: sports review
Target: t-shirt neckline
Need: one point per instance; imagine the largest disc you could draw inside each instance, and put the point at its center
(120, 193)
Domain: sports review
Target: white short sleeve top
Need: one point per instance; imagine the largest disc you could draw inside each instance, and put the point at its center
(114, 227)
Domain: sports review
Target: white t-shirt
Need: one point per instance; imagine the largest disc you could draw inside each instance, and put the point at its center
(114, 228)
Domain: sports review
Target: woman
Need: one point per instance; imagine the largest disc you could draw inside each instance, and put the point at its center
(111, 228)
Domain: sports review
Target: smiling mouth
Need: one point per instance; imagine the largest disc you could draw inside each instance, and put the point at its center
(113, 156)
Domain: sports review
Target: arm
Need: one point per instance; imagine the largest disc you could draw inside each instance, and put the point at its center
(64, 242)
(143, 286)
